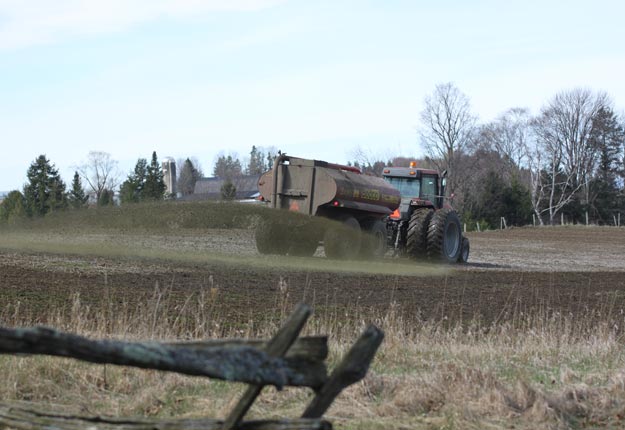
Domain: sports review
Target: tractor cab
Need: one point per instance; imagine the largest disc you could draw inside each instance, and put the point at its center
(417, 187)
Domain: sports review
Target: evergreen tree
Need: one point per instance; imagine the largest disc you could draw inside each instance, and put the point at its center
(517, 204)
(228, 191)
(131, 190)
(188, 177)
(491, 199)
(270, 158)
(77, 197)
(257, 163)
(12, 207)
(45, 191)
(608, 136)
(227, 167)
(154, 187)
(106, 198)
(498, 199)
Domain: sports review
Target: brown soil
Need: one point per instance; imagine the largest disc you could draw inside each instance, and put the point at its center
(559, 249)
(514, 272)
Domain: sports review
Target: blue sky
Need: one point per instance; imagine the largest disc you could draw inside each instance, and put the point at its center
(313, 78)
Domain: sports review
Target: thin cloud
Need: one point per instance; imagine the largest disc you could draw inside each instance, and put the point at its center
(35, 22)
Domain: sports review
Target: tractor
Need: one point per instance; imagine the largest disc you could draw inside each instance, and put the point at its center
(424, 225)
(366, 215)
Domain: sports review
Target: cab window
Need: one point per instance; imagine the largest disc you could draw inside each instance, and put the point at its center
(429, 187)
(408, 188)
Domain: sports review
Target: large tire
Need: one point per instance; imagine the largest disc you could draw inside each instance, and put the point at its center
(374, 239)
(464, 253)
(417, 235)
(270, 238)
(303, 237)
(343, 239)
(444, 236)
(302, 245)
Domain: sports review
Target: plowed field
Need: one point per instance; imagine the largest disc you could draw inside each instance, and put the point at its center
(549, 270)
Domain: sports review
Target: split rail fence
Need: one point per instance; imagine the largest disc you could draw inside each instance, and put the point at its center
(284, 360)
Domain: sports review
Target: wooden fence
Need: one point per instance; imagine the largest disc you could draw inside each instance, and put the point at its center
(284, 360)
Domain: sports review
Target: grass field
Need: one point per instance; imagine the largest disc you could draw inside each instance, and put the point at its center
(495, 344)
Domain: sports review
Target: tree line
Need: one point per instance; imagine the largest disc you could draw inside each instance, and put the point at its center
(96, 182)
(45, 191)
(566, 161)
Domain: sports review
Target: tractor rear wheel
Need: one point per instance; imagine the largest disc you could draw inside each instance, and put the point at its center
(373, 240)
(444, 236)
(464, 253)
(343, 239)
(270, 238)
(417, 236)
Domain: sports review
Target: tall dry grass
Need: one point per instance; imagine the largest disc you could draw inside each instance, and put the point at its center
(533, 370)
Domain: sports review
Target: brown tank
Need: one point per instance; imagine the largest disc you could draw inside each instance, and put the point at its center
(311, 186)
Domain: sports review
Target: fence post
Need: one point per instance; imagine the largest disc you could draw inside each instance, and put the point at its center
(619, 220)
(586, 217)
(465, 227)
(276, 347)
(534, 219)
(562, 218)
(505, 224)
(614, 216)
(350, 370)
(477, 225)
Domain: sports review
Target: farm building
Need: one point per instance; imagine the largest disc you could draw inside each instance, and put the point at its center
(210, 188)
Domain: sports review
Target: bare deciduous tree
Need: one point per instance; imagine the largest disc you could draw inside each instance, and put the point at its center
(565, 158)
(368, 161)
(364, 157)
(100, 172)
(509, 136)
(447, 126)
(568, 122)
(537, 185)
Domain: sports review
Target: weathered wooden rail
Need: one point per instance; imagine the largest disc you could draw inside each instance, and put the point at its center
(284, 360)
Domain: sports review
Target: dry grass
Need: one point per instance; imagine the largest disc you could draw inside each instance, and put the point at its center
(534, 371)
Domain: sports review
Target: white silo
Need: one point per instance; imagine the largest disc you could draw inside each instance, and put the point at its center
(169, 176)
